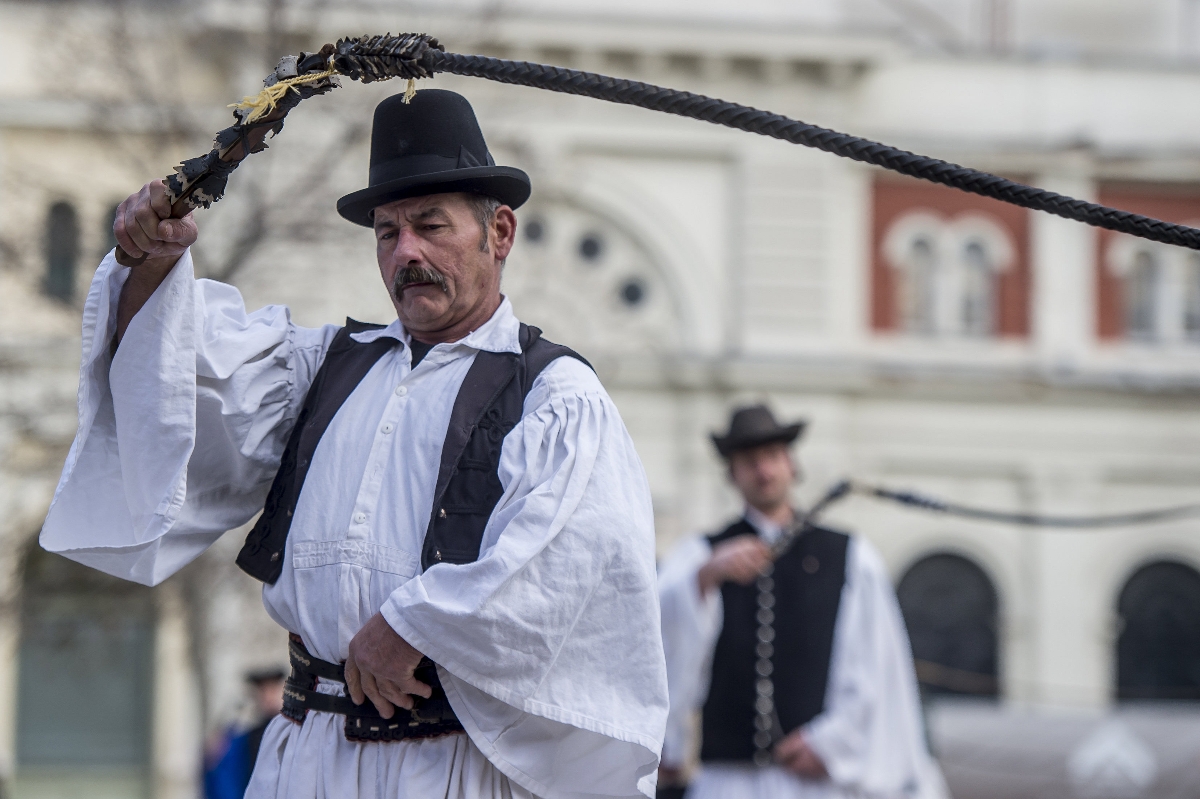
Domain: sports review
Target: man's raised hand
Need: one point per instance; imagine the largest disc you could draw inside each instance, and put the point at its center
(738, 560)
(380, 666)
(144, 228)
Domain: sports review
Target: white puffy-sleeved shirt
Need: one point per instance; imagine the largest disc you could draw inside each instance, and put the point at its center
(869, 734)
(548, 645)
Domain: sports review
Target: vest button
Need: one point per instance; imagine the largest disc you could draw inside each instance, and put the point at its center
(442, 513)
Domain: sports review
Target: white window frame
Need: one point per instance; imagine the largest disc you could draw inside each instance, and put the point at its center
(950, 239)
(1169, 308)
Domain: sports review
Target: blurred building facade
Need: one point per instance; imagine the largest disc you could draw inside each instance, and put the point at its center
(935, 340)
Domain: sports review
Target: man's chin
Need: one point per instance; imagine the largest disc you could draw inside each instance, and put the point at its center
(420, 305)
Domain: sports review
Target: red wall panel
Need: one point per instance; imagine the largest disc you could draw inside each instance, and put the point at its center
(1170, 203)
(894, 198)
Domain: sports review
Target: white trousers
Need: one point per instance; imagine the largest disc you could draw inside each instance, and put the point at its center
(315, 761)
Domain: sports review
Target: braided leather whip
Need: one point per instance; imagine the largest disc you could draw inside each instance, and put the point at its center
(199, 182)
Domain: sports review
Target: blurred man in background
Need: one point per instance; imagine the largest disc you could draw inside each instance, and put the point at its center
(230, 760)
(797, 661)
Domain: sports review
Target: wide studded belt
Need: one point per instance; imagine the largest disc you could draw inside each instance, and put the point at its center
(428, 718)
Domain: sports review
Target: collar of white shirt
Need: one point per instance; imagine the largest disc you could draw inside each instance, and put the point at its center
(501, 333)
(767, 530)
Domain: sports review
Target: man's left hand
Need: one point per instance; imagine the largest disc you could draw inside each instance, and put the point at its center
(795, 755)
(379, 667)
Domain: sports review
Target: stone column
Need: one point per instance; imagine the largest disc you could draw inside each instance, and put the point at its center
(1064, 290)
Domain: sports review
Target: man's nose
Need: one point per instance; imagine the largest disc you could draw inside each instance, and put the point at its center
(407, 247)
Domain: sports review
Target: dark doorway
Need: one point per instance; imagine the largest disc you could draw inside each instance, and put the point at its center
(1158, 652)
(85, 682)
(950, 609)
(62, 251)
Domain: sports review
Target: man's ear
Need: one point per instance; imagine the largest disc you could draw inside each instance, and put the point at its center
(504, 231)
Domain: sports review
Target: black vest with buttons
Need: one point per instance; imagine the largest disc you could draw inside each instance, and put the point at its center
(489, 404)
(808, 590)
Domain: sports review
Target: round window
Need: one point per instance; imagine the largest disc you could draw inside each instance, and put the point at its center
(591, 247)
(535, 230)
(633, 292)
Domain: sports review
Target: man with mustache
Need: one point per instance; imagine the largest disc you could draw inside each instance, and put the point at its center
(455, 529)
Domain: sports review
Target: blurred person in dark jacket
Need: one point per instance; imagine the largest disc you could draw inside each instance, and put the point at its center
(230, 760)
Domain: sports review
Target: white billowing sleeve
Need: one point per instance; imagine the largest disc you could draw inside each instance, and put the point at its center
(181, 431)
(549, 645)
(690, 626)
(871, 734)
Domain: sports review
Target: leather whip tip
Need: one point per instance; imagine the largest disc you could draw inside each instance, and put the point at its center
(125, 259)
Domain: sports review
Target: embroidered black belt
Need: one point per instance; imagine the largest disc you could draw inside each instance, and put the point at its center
(429, 717)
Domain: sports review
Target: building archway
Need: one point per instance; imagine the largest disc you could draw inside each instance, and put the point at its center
(951, 610)
(85, 681)
(1158, 651)
(591, 281)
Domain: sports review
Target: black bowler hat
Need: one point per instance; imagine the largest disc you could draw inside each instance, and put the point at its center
(430, 146)
(754, 426)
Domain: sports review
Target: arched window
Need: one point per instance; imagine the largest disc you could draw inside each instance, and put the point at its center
(592, 279)
(85, 682)
(1191, 297)
(979, 288)
(1141, 296)
(947, 272)
(62, 251)
(1158, 652)
(1158, 291)
(918, 286)
(950, 609)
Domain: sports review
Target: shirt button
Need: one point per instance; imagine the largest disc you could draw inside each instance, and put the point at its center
(401, 391)
(359, 518)
(387, 428)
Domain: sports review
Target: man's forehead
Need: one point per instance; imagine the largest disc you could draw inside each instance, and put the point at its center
(411, 207)
(769, 450)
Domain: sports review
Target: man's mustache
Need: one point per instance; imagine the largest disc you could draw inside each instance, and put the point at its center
(411, 275)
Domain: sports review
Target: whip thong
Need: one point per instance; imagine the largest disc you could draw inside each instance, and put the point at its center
(199, 182)
(845, 488)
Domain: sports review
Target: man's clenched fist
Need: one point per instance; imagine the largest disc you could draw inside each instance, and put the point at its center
(143, 226)
(739, 560)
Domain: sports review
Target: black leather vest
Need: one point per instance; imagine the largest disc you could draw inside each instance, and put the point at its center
(489, 404)
(808, 590)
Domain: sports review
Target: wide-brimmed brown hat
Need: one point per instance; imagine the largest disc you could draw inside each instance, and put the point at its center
(752, 426)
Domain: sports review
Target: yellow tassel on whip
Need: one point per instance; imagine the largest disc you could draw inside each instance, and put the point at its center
(264, 103)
